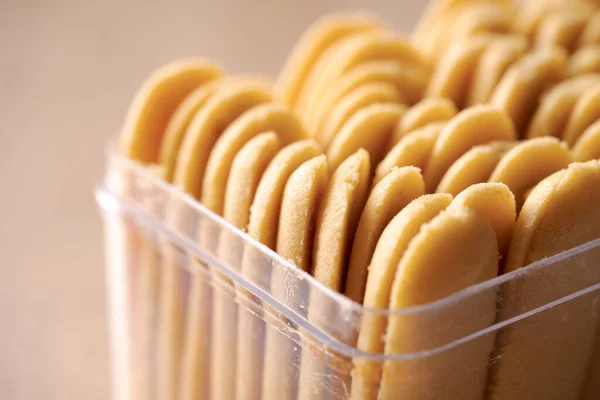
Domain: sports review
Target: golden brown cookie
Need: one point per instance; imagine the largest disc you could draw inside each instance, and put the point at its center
(360, 50)
(263, 224)
(409, 81)
(257, 120)
(391, 245)
(337, 219)
(556, 107)
(526, 164)
(185, 112)
(587, 146)
(155, 102)
(425, 112)
(471, 127)
(387, 198)
(456, 249)
(496, 203)
(518, 91)
(585, 60)
(413, 149)
(475, 166)
(502, 52)
(206, 127)
(247, 168)
(464, 19)
(370, 128)
(561, 213)
(585, 112)
(454, 71)
(320, 37)
(302, 194)
(361, 97)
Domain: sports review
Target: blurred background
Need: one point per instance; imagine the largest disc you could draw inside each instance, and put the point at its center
(68, 70)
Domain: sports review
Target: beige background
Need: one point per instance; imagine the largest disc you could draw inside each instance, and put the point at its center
(67, 72)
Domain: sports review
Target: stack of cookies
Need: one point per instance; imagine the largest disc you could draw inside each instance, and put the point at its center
(396, 170)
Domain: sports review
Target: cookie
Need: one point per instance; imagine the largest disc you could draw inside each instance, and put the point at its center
(455, 250)
(561, 213)
(413, 149)
(259, 119)
(554, 113)
(475, 166)
(585, 60)
(585, 112)
(370, 128)
(425, 112)
(303, 192)
(155, 102)
(357, 99)
(519, 90)
(587, 146)
(206, 127)
(357, 51)
(185, 112)
(392, 244)
(526, 164)
(320, 37)
(496, 203)
(501, 53)
(409, 81)
(471, 127)
(386, 199)
(455, 70)
(337, 219)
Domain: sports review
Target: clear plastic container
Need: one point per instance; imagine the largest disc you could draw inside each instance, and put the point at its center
(199, 310)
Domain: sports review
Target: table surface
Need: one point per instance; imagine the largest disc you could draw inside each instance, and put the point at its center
(67, 72)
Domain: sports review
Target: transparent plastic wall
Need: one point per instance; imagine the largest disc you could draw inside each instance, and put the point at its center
(199, 310)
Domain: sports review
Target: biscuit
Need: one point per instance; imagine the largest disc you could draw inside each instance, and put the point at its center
(585, 60)
(473, 167)
(370, 128)
(320, 37)
(259, 119)
(302, 194)
(357, 51)
(183, 115)
(526, 164)
(502, 52)
(409, 81)
(533, 12)
(496, 203)
(464, 20)
(455, 70)
(263, 224)
(156, 101)
(391, 245)
(425, 112)
(361, 97)
(518, 91)
(556, 107)
(386, 199)
(471, 127)
(563, 29)
(587, 146)
(337, 219)
(561, 213)
(413, 149)
(246, 170)
(455, 250)
(206, 127)
(585, 112)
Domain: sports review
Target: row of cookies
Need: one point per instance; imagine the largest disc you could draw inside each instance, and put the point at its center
(193, 123)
